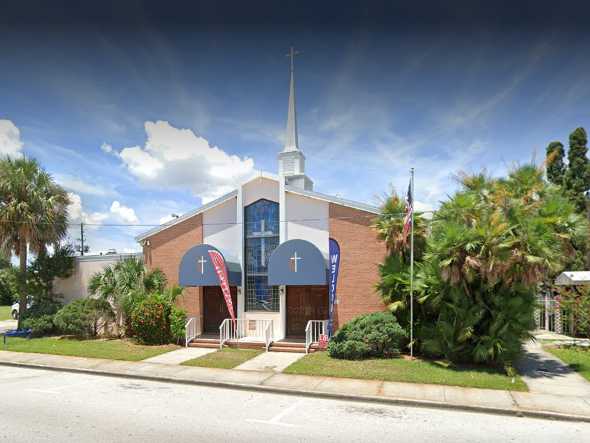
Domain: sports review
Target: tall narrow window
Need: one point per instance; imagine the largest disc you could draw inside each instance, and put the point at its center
(261, 229)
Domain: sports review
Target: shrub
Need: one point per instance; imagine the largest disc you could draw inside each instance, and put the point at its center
(177, 322)
(40, 326)
(42, 306)
(8, 286)
(150, 320)
(370, 335)
(82, 317)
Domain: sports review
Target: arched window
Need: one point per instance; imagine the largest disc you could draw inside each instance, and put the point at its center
(261, 230)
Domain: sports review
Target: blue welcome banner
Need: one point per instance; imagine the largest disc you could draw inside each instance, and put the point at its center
(334, 268)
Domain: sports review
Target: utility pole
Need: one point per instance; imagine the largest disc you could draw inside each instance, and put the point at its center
(82, 248)
(81, 238)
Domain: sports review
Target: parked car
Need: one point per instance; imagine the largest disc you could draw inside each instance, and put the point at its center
(14, 309)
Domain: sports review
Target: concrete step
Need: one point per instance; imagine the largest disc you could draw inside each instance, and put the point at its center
(289, 344)
(200, 344)
(275, 348)
(245, 344)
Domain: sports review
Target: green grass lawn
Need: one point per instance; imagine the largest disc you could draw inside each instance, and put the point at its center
(401, 370)
(110, 349)
(577, 358)
(226, 358)
(5, 313)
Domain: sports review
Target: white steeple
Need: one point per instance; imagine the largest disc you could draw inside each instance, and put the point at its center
(291, 159)
(291, 141)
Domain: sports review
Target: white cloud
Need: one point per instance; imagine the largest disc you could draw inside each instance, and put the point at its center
(105, 147)
(141, 163)
(10, 142)
(98, 236)
(174, 157)
(124, 213)
(77, 214)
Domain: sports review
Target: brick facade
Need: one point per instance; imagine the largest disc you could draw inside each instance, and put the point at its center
(360, 254)
(165, 250)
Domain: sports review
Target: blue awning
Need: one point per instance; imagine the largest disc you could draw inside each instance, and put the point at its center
(196, 268)
(297, 262)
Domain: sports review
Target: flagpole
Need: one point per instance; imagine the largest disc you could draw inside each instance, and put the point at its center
(412, 268)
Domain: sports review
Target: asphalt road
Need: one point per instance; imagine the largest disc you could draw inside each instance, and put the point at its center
(39, 405)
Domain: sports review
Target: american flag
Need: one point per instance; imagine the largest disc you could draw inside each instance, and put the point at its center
(409, 212)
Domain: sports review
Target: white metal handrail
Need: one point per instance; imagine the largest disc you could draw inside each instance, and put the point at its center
(268, 330)
(190, 330)
(240, 329)
(224, 332)
(313, 330)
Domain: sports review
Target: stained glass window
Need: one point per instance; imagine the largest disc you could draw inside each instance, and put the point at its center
(261, 228)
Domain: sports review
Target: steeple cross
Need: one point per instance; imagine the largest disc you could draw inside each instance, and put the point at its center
(292, 53)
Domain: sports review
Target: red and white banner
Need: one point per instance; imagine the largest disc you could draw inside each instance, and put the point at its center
(221, 271)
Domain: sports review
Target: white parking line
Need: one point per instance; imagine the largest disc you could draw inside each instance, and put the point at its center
(276, 420)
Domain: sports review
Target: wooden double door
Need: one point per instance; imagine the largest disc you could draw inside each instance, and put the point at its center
(305, 303)
(215, 308)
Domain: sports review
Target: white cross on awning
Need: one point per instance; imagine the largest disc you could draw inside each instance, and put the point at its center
(295, 259)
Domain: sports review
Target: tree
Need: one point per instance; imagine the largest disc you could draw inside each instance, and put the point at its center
(124, 284)
(492, 243)
(33, 214)
(8, 281)
(390, 225)
(554, 163)
(43, 271)
(489, 247)
(394, 285)
(577, 177)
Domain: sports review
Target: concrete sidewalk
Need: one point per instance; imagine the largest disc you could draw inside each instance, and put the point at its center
(477, 400)
(179, 356)
(546, 374)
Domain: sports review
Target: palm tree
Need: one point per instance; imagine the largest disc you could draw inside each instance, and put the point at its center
(395, 271)
(33, 214)
(491, 245)
(390, 225)
(124, 284)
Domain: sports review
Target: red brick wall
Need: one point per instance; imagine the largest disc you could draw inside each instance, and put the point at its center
(165, 251)
(360, 254)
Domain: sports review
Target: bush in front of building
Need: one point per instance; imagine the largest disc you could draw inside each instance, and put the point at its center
(150, 321)
(177, 323)
(83, 317)
(41, 325)
(155, 319)
(40, 316)
(370, 335)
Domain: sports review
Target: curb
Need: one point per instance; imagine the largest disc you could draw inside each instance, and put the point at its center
(316, 394)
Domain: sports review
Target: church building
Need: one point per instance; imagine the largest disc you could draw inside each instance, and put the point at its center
(273, 236)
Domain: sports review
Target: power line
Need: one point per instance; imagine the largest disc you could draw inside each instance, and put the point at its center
(400, 215)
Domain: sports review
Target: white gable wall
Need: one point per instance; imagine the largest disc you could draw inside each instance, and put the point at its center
(220, 229)
(260, 188)
(308, 219)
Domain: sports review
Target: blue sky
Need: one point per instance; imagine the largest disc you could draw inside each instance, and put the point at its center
(147, 117)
